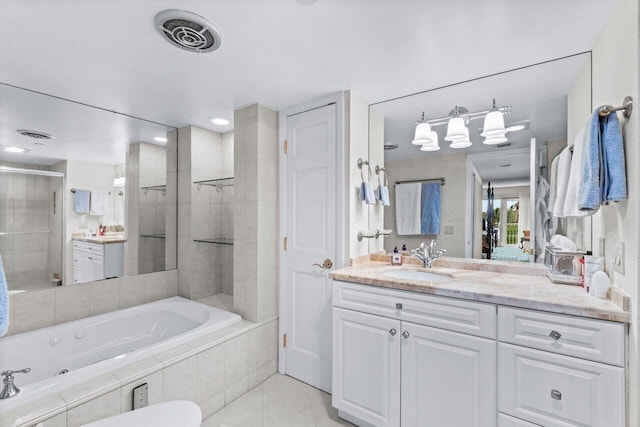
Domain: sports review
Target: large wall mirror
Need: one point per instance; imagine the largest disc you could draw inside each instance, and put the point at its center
(65, 170)
(544, 107)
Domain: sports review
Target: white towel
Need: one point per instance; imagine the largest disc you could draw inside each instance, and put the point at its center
(99, 202)
(553, 183)
(408, 217)
(562, 180)
(570, 208)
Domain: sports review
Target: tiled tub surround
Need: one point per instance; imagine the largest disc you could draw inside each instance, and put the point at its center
(212, 371)
(89, 347)
(42, 308)
(527, 288)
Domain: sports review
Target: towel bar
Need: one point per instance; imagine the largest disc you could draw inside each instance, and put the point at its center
(627, 107)
(73, 190)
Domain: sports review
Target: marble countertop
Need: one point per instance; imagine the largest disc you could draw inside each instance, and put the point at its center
(467, 280)
(100, 239)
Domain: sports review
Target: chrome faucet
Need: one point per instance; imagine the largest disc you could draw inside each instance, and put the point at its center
(9, 389)
(428, 254)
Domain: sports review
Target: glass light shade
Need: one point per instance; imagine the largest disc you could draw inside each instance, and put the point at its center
(455, 129)
(461, 143)
(492, 140)
(430, 147)
(422, 135)
(493, 124)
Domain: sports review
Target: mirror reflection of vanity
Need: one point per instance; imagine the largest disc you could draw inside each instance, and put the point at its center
(546, 103)
(83, 167)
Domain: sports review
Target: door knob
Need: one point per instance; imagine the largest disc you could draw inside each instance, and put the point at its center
(405, 334)
(393, 331)
(327, 264)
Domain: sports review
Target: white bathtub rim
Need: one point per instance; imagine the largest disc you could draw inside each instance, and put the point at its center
(108, 367)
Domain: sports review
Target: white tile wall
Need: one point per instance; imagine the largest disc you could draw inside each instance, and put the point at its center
(46, 307)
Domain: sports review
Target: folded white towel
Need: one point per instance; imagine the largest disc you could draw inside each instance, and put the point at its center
(408, 209)
(99, 201)
(570, 208)
(562, 180)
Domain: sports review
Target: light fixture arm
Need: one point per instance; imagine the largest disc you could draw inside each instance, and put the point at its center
(467, 116)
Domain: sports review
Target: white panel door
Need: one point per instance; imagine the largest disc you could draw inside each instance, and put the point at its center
(311, 239)
(448, 379)
(366, 363)
(533, 183)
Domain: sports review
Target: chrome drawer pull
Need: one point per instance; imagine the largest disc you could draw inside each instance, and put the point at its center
(555, 394)
(405, 334)
(393, 332)
(555, 335)
(398, 306)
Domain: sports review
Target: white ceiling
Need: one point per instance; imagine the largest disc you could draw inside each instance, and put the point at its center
(277, 52)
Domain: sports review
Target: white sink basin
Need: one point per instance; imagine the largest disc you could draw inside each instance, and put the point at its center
(403, 273)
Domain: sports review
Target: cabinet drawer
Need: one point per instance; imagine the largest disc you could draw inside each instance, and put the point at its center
(468, 317)
(93, 248)
(507, 421)
(590, 339)
(555, 390)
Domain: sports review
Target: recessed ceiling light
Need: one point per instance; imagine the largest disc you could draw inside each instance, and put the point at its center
(12, 149)
(514, 128)
(160, 139)
(220, 121)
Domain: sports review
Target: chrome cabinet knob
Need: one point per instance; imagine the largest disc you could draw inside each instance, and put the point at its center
(555, 335)
(393, 332)
(555, 394)
(405, 334)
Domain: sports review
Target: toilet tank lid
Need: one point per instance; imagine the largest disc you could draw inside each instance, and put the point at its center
(176, 413)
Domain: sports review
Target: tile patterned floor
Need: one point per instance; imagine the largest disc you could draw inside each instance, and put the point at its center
(280, 401)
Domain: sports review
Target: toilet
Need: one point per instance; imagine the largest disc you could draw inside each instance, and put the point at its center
(176, 413)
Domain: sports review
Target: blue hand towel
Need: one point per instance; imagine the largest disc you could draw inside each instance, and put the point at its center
(614, 185)
(81, 202)
(590, 193)
(430, 217)
(603, 167)
(382, 194)
(4, 302)
(366, 193)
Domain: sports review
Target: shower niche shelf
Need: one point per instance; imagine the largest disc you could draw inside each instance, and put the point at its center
(217, 183)
(216, 240)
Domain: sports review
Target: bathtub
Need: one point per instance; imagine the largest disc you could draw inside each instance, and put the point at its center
(70, 353)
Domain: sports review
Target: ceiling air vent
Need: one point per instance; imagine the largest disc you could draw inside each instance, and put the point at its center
(34, 134)
(187, 30)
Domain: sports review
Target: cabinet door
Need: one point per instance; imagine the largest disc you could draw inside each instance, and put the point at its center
(448, 379)
(558, 391)
(366, 367)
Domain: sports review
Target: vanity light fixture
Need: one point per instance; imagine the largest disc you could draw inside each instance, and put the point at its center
(433, 146)
(423, 133)
(219, 121)
(457, 132)
(160, 138)
(13, 149)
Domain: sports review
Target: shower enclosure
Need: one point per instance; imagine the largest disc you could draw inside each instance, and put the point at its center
(31, 215)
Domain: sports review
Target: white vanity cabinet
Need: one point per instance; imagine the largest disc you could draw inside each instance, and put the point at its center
(408, 359)
(97, 261)
(445, 378)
